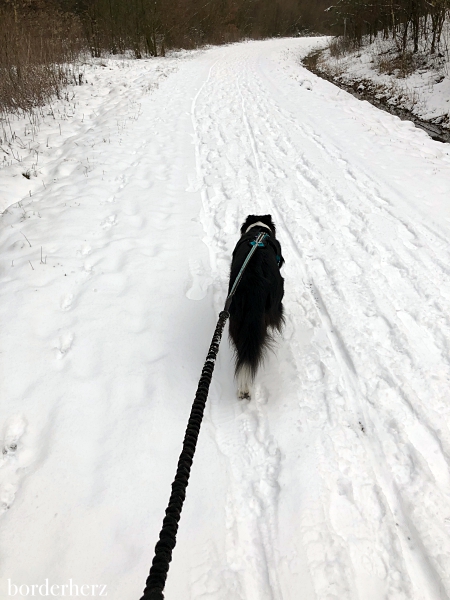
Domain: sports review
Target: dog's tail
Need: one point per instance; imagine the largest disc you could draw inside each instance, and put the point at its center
(248, 330)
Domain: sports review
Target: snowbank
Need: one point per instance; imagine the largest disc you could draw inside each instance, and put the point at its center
(416, 83)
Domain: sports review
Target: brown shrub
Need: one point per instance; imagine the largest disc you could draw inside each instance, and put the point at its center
(400, 64)
(340, 46)
(39, 47)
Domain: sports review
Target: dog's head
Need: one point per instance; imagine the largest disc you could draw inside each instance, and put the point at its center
(251, 219)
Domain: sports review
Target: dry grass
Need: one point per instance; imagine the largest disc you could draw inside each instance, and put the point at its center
(400, 64)
(37, 56)
(340, 46)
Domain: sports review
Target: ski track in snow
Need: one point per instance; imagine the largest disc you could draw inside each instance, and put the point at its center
(333, 481)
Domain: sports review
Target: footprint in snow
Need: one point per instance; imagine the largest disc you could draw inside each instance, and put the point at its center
(200, 281)
(66, 302)
(64, 344)
(306, 83)
(14, 429)
(109, 222)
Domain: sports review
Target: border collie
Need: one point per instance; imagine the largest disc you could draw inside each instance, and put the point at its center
(256, 305)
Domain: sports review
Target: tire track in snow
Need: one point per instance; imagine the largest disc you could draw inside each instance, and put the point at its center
(328, 192)
(346, 367)
(245, 159)
(369, 196)
(345, 587)
(435, 349)
(244, 171)
(422, 569)
(252, 453)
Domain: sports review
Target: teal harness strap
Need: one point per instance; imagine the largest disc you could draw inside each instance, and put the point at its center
(263, 245)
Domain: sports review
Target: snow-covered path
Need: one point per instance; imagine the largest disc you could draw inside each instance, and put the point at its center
(333, 482)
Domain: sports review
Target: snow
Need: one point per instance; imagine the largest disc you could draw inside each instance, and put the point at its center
(333, 481)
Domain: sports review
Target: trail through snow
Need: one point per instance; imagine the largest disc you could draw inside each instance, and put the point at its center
(333, 482)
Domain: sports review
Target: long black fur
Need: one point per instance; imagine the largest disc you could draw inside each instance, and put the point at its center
(257, 303)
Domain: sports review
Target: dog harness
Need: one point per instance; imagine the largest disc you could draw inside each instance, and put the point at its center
(264, 242)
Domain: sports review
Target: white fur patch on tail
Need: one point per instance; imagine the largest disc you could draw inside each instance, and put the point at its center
(244, 380)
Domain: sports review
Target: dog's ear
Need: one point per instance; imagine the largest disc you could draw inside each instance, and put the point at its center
(266, 219)
(249, 221)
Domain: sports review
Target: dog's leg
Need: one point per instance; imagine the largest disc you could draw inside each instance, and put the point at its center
(244, 380)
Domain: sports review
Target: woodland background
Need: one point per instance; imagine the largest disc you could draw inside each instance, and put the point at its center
(41, 40)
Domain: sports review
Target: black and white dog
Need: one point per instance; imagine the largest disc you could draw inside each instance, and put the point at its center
(256, 305)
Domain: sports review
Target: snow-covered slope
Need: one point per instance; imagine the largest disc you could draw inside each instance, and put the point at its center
(333, 482)
(417, 83)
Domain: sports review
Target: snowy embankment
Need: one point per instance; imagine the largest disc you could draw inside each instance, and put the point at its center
(415, 86)
(333, 482)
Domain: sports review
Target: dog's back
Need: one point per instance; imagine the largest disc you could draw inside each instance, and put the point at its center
(256, 305)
